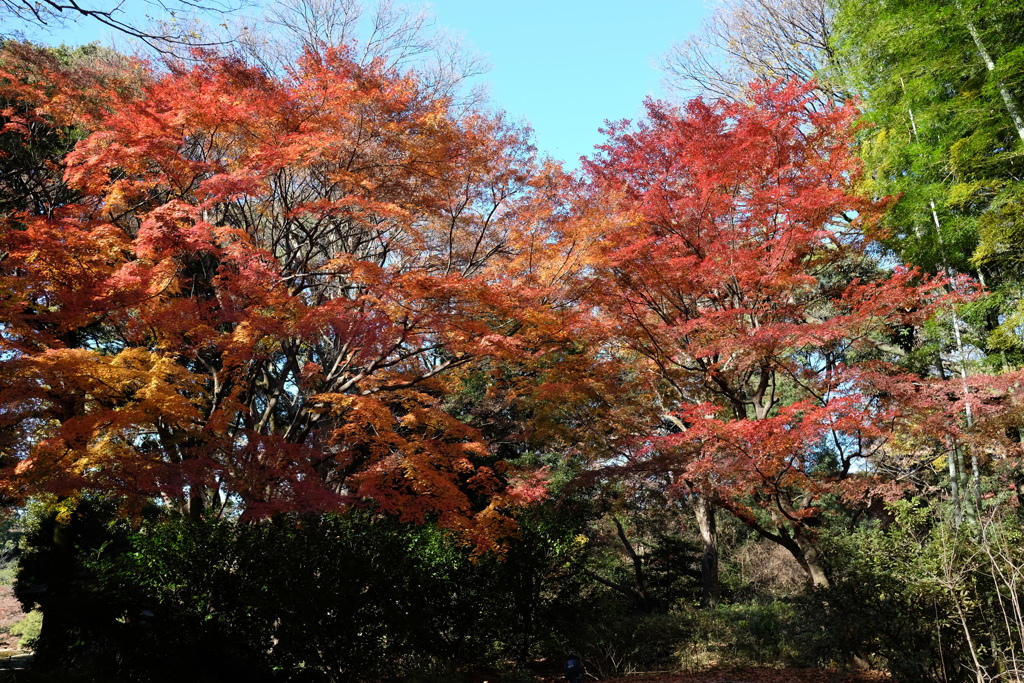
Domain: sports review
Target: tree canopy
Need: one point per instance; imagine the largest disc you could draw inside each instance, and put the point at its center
(275, 304)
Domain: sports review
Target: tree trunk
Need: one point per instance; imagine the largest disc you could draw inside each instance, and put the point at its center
(58, 614)
(1008, 100)
(705, 513)
(196, 503)
(811, 561)
(954, 488)
(796, 538)
(643, 599)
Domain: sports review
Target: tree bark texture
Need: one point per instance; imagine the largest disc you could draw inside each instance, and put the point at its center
(704, 510)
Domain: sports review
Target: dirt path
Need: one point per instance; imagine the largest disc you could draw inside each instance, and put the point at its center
(760, 676)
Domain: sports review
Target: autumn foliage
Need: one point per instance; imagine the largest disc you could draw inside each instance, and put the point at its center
(248, 290)
(255, 286)
(312, 368)
(736, 276)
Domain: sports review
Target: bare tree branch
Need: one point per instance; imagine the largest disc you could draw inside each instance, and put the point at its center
(167, 38)
(399, 37)
(747, 40)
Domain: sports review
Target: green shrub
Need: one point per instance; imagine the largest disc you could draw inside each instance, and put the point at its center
(356, 597)
(769, 633)
(886, 604)
(614, 640)
(27, 630)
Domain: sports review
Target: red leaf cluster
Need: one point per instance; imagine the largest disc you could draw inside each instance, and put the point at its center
(253, 295)
(736, 273)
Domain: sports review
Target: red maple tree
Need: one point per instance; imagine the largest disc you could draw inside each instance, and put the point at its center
(735, 272)
(254, 295)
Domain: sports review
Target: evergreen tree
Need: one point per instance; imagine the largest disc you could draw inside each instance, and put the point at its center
(941, 84)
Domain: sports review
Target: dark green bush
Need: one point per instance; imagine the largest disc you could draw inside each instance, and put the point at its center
(753, 633)
(886, 605)
(614, 640)
(337, 597)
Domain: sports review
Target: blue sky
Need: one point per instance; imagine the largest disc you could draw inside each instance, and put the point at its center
(567, 65)
(564, 66)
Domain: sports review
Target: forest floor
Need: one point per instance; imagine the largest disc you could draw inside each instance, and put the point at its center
(10, 614)
(746, 675)
(759, 675)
